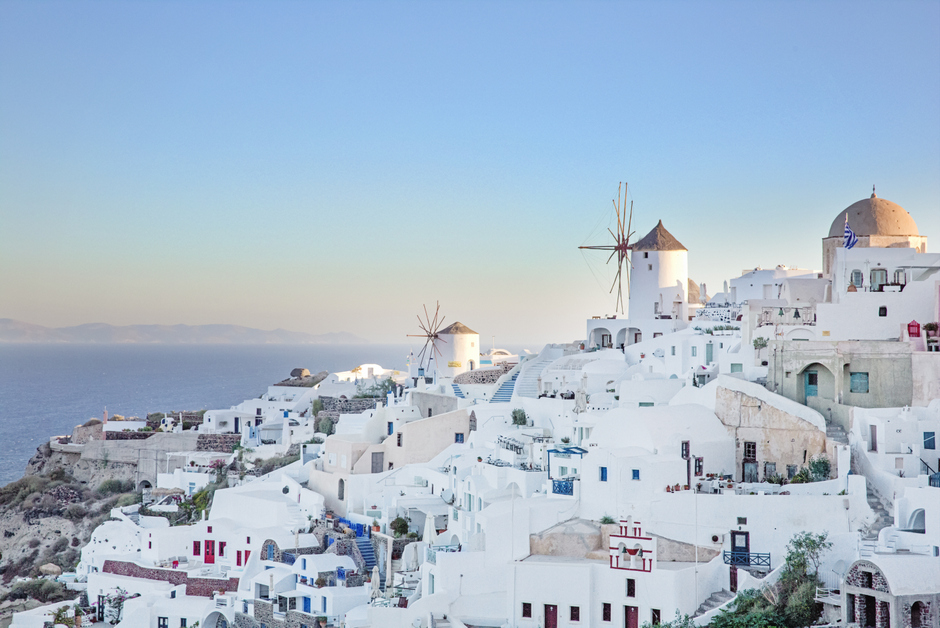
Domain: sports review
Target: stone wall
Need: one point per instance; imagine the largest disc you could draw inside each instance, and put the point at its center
(431, 404)
(347, 406)
(127, 435)
(482, 376)
(264, 613)
(202, 587)
(223, 443)
(82, 434)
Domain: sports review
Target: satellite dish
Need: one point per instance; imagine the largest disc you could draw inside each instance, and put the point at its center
(447, 495)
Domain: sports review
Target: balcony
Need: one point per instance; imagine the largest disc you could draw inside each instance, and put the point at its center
(434, 549)
(747, 559)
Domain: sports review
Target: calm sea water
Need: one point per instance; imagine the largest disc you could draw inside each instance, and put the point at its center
(49, 389)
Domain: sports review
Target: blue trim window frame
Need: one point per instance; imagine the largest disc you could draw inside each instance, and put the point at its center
(930, 440)
(391, 428)
(603, 474)
(636, 474)
(858, 382)
(458, 437)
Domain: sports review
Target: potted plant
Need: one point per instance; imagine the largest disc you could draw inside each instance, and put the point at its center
(931, 329)
(320, 582)
(322, 621)
(375, 525)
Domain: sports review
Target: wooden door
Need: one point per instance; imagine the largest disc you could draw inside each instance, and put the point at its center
(378, 459)
(551, 616)
(734, 579)
(210, 552)
(741, 547)
(631, 617)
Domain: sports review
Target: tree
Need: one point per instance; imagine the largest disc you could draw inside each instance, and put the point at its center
(679, 622)
(760, 343)
(115, 604)
(399, 526)
(519, 417)
(325, 426)
(805, 549)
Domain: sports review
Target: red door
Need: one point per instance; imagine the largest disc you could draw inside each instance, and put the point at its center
(631, 617)
(551, 616)
(210, 552)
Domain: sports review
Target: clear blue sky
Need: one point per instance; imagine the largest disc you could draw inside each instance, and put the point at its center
(325, 166)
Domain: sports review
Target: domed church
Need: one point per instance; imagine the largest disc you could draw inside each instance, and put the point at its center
(877, 222)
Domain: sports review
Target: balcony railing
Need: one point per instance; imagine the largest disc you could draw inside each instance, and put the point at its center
(747, 559)
(563, 487)
(434, 549)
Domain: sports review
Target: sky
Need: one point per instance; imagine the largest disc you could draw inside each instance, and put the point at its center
(334, 166)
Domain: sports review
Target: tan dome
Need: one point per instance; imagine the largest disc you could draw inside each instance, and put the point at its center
(875, 217)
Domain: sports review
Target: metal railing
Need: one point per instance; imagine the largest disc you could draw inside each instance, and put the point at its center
(747, 559)
(563, 487)
(432, 550)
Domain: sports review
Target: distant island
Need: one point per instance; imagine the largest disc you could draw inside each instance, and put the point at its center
(13, 331)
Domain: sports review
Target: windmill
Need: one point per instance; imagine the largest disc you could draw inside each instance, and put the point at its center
(621, 244)
(430, 327)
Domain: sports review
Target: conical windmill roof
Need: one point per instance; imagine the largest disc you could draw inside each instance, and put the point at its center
(658, 240)
(456, 328)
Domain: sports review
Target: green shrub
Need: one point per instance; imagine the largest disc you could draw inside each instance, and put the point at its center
(399, 526)
(75, 511)
(819, 467)
(325, 425)
(519, 417)
(607, 519)
(46, 591)
(115, 486)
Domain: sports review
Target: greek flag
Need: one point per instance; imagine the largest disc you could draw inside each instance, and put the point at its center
(849, 239)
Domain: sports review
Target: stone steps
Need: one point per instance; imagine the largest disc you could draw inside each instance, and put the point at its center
(713, 601)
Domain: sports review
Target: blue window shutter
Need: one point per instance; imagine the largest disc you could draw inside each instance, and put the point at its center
(603, 474)
(930, 440)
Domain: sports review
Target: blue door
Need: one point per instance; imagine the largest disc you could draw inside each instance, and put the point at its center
(709, 353)
(812, 383)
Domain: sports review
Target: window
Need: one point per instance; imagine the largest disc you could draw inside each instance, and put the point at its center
(209, 529)
(791, 471)
(879, 277)
(163, 622)
(882, 311)
(429, 413)
(631, 587)
(750, 450)
(699, 466)
(646, 404)
(248, 540)
(646, 255)
(770, 469)
(458, 437)
(575, 614)
(149, 544)
(238, 558)
(196, 548)
(930, 440)
(222, 548)
(399, 439)
(562, 471)
(900, 278)
(391, 428)
(636, 474)
(858, 382)
(857, 278)
(649, 267)
(606, 611)
(672, 350)
(737, 368)
(742, 521)
(603, 474)
(526, 609)
(685, 449)
(183, 622)
(655, 617)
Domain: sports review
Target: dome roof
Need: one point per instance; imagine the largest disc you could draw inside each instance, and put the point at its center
(874, 217)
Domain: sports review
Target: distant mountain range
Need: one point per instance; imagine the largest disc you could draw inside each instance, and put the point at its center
(102, 333)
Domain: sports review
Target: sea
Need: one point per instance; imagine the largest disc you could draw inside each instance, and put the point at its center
(47, 389)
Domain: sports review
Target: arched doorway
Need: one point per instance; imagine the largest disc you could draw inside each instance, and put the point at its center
(215, 619)
(601, 338)
(341, 490)
(918, 522)
(815, 380)
(919, 614)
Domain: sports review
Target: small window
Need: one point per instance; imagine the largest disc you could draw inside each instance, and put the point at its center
(606, 611)
(649, 267)
(575, 613)
(791, 471)
(209, 529)
(631, 587)
(930, 440)
(248, 540)
(562, 471)
(879, 277)
(858, 382)
(163, 622)
(429, 413)
(672, 350)
(391, 428)
(196, 548)
(737, 368)
(882, 311)
(699, 466)
(646, 404)
(183, 622)
(646, 255)
(655, 617)
(603, 474)
(458, 437)
(636, 474)
(900, 277)
(750, 450)
(685, 449)
(526, 609)
(742, 521)
(694, 351)
(857, 278)
(399, 439)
